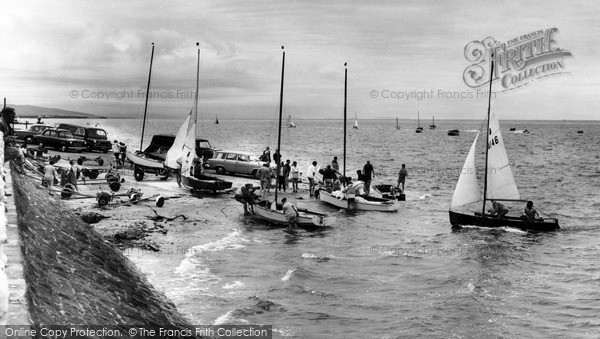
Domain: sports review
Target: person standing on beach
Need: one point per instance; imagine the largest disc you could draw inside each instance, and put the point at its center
(276, 157)
(295, 176)
(335, 165)
(11, 152)
(117, 152)
(286, 174)
(402, 174)
(243, 195)
(281, 176)
(312, 171)
(266, 156)
(71, 176)
(49, 176)
(368, 173)
(123, 151)
(264, 175)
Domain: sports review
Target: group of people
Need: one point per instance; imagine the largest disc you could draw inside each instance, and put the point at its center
(529, 213)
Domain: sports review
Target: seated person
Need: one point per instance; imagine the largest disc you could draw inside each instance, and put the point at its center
(337, 184)
(499, 210)
(530, 213)
(359, 187)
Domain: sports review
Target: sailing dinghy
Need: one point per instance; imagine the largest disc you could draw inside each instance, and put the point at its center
(499, 184)
(363, 203)
(184, 148)
(290, 123)
(270, 211)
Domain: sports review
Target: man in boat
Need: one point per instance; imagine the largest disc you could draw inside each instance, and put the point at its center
(310, 174)
(530, 213)
(368, 173)
(337, 184)
(243, 195)
(10, 152)
(402, 174)
(499, 210)
(350, 193)
(264, 175)
(290, 211)
(197, 170)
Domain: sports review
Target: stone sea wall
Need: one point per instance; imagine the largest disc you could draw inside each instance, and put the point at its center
(74, 276)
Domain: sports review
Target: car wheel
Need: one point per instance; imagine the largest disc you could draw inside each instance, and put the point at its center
(28, 140)
(220, 170)
(64, 148)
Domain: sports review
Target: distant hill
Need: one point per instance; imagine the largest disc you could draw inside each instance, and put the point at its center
(29, 111)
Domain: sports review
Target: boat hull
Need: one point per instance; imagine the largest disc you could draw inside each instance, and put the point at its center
(477, 219)
(372, 204)
(141, 159)
(306, 219)
(205, 182)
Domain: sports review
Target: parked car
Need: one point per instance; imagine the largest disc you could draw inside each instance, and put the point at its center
(60, 139)
(95, 138)
(236, 162)
(27, 134)
(160, 144)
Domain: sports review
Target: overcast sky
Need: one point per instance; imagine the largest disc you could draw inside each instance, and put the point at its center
(62, 54)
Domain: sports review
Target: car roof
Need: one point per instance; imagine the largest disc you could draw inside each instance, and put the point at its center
(58, 130)
(238, 152)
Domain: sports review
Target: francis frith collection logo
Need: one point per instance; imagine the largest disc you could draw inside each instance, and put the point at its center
(517, 62)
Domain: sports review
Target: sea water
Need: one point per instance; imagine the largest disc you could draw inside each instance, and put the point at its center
(404, 274)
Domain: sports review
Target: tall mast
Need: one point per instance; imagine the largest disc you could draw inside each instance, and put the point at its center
(147, 96)
(345, 96)
(279, 131)
(487, 138)
(196, 97)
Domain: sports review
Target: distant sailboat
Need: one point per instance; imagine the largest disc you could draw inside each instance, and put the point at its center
(432, 126)
(290, 123)
(216, 120)
(397, 126)
(419, 128)
(355, 121)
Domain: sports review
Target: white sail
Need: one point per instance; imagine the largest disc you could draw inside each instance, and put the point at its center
(189, 147)
(467, 188)
(175, 151)
(500, 181)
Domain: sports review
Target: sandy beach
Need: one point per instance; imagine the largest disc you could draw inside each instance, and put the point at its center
(145, 225)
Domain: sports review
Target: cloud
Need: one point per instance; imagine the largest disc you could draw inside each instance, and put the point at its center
(55, 47)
